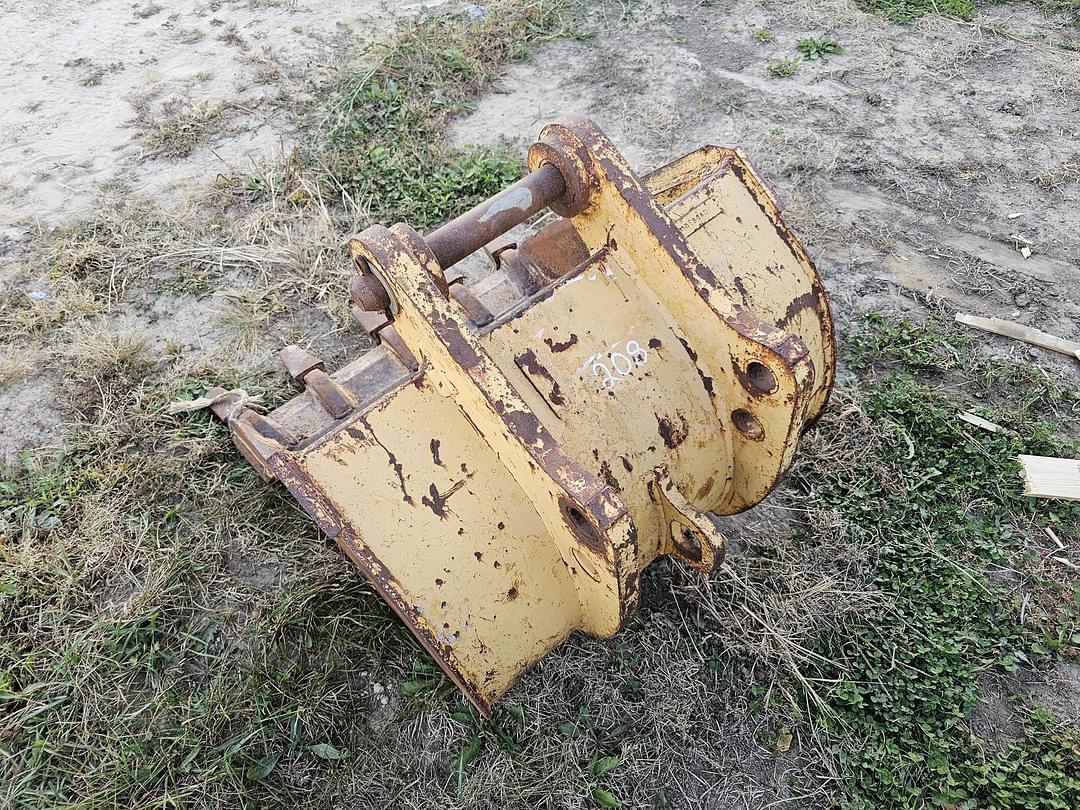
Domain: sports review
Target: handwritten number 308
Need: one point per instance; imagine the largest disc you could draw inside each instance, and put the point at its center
(619, 364)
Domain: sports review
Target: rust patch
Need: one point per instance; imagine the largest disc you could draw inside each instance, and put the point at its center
(705, 489)
(524, 425)
(609, 479)
(394, 463)
(630, 586)
(811, 299)
(556, 248)
(706, 380)
(748, 425)
(743, 292)
(561, 347)
(757, 379)
(744, 379)
(793, 350)
(528, 363)
(436, 502)
(459, 346)
(673, 434)
(688, 545)
(580, 526)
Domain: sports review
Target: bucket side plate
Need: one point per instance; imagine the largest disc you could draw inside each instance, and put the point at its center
(418, 500)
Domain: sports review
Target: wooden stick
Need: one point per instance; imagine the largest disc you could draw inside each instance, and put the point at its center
(1050, 533)
(1020, 332)
(985, 424)
(1046, 477)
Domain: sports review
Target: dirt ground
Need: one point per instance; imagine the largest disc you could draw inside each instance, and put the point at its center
(929, 166)
(920, 162)
(147, 104)
(923, 162)
(144, 98)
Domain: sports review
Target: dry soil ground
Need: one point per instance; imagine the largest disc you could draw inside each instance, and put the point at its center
(153, 240)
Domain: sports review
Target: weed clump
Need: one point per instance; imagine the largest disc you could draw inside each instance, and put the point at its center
(909, 10)
(818, 47)
(783, 68)
(908, 672)
(381, 145)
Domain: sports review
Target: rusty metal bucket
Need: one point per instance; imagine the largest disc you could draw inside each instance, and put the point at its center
(512, 455)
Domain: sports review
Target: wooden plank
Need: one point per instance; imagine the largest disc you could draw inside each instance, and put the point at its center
(1019, 331)
(1047, 477)
(985, 424)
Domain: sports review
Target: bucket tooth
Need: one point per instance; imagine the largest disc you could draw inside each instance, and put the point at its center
(307, 369)
(298, 362)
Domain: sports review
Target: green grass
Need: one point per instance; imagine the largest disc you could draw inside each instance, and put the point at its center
(139, 662)
(381, 145)
(944, 506)
(908, 10)
(783, 68)
(818, 47)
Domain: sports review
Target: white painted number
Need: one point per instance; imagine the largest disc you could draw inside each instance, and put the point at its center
(618, 363)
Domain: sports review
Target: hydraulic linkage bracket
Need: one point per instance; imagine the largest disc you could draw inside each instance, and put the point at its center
(512, 455)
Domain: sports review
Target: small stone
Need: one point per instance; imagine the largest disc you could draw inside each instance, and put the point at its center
(1022, 300)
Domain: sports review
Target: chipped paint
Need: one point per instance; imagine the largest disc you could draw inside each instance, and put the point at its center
(561, 346)
(520, 198)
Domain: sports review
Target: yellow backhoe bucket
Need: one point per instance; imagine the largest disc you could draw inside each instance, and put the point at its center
(512, 455)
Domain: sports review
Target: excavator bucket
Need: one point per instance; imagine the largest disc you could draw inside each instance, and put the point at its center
(512, 455)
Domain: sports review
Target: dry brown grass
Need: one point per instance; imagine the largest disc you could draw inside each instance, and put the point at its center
(102, 348)
(173, 128)
(779, 591)
(1065, 173)
(15, 364)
